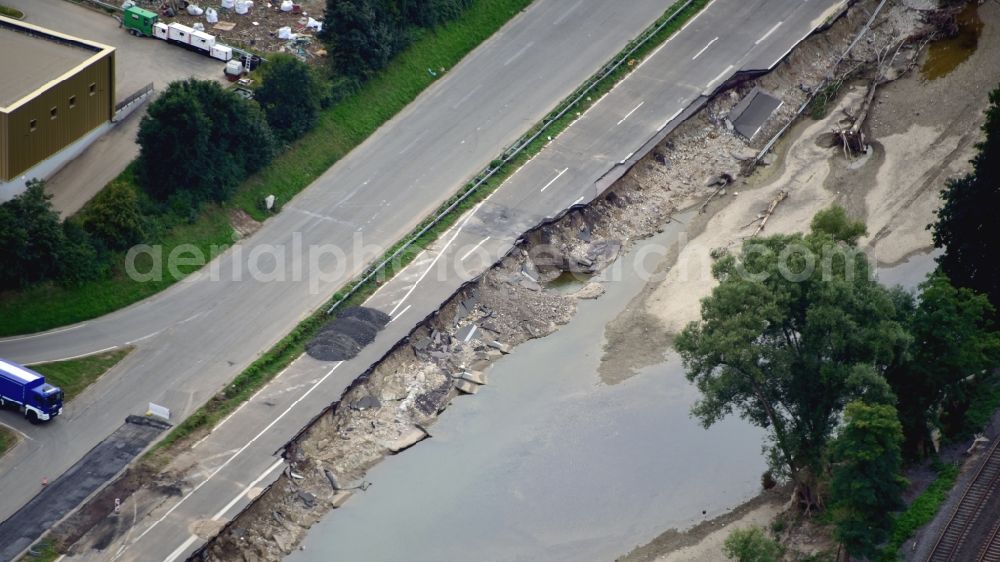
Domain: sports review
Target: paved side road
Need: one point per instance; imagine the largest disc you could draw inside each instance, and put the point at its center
(61, 496)
(196, 336)
(238, 457)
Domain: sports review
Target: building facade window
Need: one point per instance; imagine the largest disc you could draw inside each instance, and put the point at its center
(32, 125)
(72, 102)
(93, 88)
(53, 113)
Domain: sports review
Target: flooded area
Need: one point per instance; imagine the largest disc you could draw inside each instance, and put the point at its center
(547, 462)
(945, 55)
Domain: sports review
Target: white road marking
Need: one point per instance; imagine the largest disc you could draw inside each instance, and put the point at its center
(466, 97)
(436, 258)
(719, 77)
(520, 52)
(553, 180)
(180, 549)
(624, 160)
(40, 334)
(412, 143)
(669, 119)
(474, 248)
(238, 453)
(236, 500)
(768, 34)
(567, 12)
(577, 200)
(402, 312)
(89, 353)
(705, 48)
(146, 337)
(629, 114)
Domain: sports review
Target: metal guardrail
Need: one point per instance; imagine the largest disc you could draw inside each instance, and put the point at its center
(819, 88)
(145, 90)
(522, 143)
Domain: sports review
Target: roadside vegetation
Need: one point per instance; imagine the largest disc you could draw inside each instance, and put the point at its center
(850, 378)
(7, 440)
(75, 375)
(11, 12)
(355, 108)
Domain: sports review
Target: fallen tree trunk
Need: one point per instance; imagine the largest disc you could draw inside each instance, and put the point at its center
(782, 195)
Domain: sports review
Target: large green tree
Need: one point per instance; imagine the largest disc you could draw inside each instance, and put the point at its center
(867, 486)
(113, 217)
(290, 94)
(35, 246)
(967, 228)
(200, 140)
(362, 35)
(796, 328)
(954, 346)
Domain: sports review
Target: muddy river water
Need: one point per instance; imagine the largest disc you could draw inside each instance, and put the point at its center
(549, 463)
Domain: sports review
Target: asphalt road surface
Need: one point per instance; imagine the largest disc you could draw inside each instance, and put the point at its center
(182, 364)
(196, 336)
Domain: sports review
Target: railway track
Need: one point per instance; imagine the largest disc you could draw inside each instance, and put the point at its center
(965, 514)
(991, 550)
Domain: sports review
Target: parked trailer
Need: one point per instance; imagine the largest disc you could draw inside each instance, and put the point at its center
(144, 23)
(28, 391)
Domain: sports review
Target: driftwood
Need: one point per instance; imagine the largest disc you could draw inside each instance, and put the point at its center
(762, 218)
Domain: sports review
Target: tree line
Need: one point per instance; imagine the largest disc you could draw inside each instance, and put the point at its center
(849, 378)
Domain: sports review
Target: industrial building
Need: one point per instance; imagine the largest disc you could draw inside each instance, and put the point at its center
(54, 90)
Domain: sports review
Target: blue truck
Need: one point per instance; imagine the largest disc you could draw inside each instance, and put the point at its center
(28, 391)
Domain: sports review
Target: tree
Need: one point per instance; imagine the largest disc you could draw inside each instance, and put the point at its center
(954, 346)
(752, 545)
(361, 35)
(35, 246)
(967, 228)
(867, 486)
(290, 95)
(113, 217)
(796, 328)
(201, 139)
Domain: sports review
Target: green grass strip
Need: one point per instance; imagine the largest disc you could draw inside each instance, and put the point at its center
(11, 12)
(261, 371)
(7, 440)
(920, 512)
(74, 375)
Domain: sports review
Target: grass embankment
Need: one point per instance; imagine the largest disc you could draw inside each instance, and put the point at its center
(341, 127)
(7, 440)
(261, 371)
(920, 512)
(74, 375)
(11, 12)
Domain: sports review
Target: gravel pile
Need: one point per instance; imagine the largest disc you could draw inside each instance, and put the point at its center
(344, 336)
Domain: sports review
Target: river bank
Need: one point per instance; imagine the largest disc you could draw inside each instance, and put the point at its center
(393, 407)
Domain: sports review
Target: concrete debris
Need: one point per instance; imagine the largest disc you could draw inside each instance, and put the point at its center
(407, 440)
(344, 336)
(466, 387)
(477, 377)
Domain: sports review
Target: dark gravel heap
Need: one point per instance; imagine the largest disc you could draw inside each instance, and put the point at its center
(344, 336)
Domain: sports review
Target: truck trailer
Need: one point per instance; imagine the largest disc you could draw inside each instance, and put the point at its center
(144, 23)
(28, 391)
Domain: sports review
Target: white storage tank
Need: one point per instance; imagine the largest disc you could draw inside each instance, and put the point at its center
(234, 69)
(180, 33)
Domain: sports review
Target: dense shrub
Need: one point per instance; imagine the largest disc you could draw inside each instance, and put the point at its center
(201, 140)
